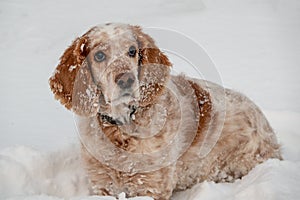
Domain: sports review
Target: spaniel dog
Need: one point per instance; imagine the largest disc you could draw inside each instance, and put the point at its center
(146, 132)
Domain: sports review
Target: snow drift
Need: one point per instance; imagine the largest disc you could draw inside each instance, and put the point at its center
(26, 173)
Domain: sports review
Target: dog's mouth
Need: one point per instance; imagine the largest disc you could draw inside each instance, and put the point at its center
(125, 96)
(107, 118)
(122, 113)
(122, 119)
(121, 108)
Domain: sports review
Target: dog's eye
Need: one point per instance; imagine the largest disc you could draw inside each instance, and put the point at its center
(132, 51)
(99, 56)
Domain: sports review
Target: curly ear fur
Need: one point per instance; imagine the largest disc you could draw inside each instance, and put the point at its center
(72, 83)
(152, 61)
(62, 81)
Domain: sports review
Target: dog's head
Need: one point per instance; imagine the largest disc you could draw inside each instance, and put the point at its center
(111, 69)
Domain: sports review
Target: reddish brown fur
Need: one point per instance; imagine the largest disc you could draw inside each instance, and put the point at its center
(62, 82)
(246, 138)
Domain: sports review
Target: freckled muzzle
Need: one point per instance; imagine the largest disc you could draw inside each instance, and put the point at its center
(120, 90)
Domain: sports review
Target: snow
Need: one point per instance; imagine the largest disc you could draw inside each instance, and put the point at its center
(266, 181)
(26, 173)
(254, 43)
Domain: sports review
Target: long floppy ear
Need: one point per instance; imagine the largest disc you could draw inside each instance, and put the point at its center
(154, 67)
(71, 83)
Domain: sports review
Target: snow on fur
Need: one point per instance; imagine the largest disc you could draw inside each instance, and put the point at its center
(26, 173)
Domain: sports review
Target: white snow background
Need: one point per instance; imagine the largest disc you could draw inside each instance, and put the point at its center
(254, 43)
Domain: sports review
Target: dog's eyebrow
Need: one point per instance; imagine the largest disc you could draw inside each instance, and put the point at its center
(101, 45)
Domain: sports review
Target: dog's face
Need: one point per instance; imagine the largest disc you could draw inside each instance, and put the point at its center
(111, 69)
(114, 65)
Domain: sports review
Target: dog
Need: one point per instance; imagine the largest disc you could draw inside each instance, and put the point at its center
(146, 132)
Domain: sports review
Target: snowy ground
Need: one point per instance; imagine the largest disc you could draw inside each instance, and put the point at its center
(254, 43)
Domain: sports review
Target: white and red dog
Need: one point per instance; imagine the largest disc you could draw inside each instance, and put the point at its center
(117, 78)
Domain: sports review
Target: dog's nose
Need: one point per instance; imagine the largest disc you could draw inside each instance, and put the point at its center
(125, 80)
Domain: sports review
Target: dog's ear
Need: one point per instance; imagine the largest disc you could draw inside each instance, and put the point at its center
(71, 83)
(154, 67)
